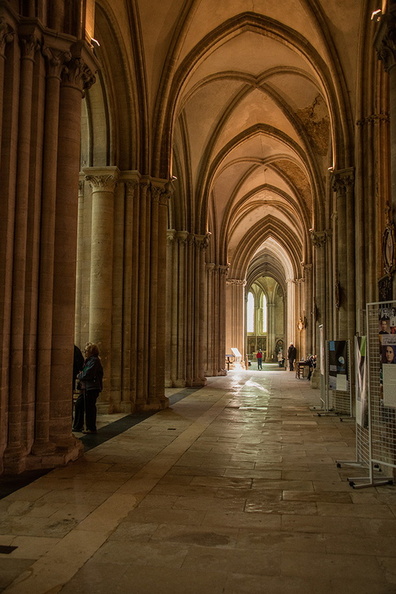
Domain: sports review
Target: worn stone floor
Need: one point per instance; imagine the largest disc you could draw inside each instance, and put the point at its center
(234, 489)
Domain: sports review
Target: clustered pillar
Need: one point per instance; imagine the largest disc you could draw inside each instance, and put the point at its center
(215, 319)
(42, 79)
(121, 280)
(235, 310)
(187, 309)
(386, 48)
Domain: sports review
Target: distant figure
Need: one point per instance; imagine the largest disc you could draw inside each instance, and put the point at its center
(291, 355)
(78, 364)
(90, 378)
(312, 365)
(281, 359)
(259, 359)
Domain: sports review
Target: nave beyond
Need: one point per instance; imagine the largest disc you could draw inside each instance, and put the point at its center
(233, 489)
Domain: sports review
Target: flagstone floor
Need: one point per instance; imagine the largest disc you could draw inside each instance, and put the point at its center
(234, 489)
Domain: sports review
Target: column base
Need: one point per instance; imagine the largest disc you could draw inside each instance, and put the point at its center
(157, 404)
(55, 455)
(42, 455)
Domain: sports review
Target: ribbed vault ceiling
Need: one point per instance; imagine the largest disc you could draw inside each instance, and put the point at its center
(248, 98)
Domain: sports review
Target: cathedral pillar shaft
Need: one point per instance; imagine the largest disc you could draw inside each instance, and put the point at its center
(78, 319)
(130, 288)
(177, 309)
(18, 388)
(215, 320)
(271, 331)
(385, 43)
(187, 309)
(343, 185)
(77, 76)
(6, 37)
(55, 65)
(200, 310)
(103, 183)
(235, 315)
(291, 312)
(159, 198)
(319, 241)
(144, 294)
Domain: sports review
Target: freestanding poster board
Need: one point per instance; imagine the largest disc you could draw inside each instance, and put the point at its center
(378, 426)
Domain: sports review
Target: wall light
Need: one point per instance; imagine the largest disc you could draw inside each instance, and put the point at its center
(376, 15)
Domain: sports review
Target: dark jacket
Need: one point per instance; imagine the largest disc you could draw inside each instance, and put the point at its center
(92, 374)
(78, 363)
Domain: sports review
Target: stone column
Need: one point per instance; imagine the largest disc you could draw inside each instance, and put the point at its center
(210, 319)
(198, 310)
(176, 309)
(103, 182)
(16, 443)
(79, 319)
(215, 319)
(291, 313)
(6, 36)
(160, 193)
(130, 291)
(307, 308)
(55, 60)
(270, 331)
(8, 159)
(385, 44)
(343, 185)
(319, 239)
(235, 316)
(77, 76)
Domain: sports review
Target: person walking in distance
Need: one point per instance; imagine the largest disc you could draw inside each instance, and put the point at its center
(259, 359)
(291, 355)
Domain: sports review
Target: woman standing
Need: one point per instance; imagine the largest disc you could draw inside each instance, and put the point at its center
(90, 379)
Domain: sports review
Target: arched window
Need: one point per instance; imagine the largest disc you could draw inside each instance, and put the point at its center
(250, 313)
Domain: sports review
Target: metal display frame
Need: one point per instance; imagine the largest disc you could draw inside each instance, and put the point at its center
(381, 434)
(327, 407)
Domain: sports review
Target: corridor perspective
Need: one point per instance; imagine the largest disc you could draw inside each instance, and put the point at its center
(233, 489)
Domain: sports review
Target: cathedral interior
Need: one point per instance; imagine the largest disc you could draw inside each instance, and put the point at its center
(183, 183)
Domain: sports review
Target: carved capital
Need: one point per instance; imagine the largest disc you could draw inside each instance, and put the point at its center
(160, 193)
(385, 41)
(224, 268)
(375, 118)
(182, 236)
(343, 181)
(318, 238)
(6, 34)
(202, 241)
(29, 45)
(102, 179)
(78, 74)
(56, 60)
(236, 281)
